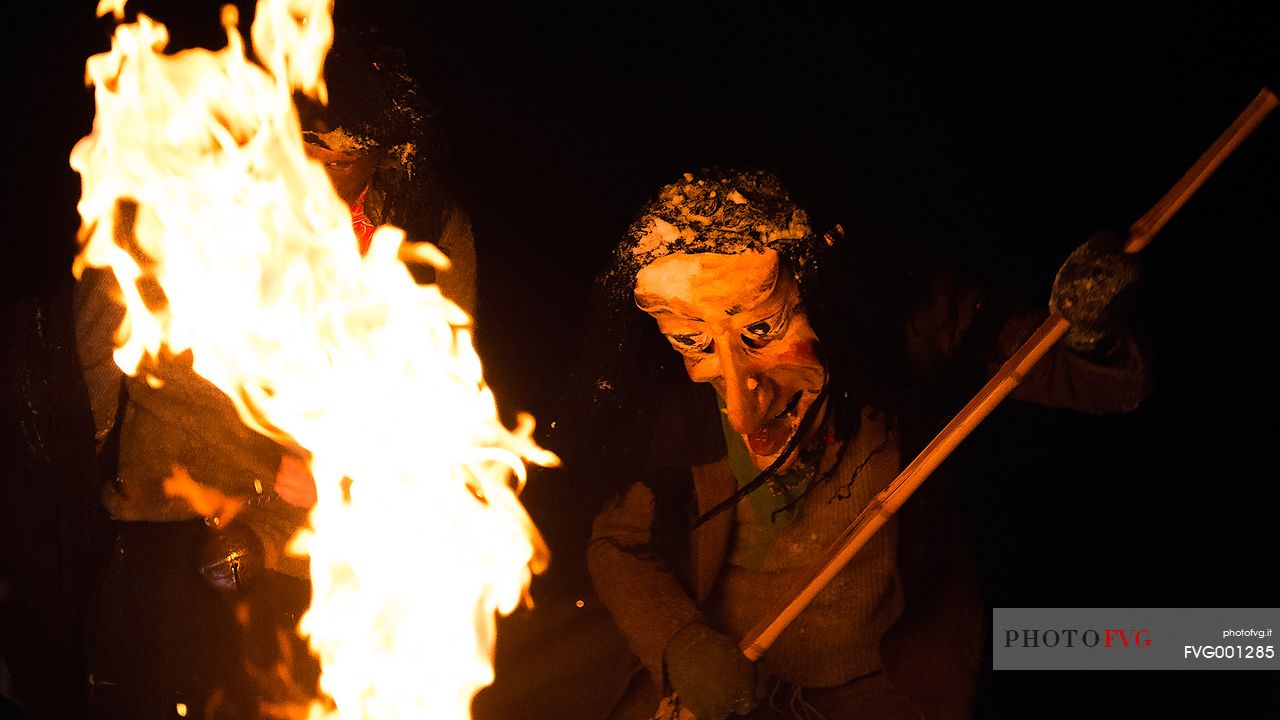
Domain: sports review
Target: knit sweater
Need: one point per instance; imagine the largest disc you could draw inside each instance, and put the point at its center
(837, 637)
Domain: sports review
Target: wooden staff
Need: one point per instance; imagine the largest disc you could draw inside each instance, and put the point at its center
(882, 507)
(886, 503)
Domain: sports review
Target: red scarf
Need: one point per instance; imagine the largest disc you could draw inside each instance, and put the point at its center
(360, 222)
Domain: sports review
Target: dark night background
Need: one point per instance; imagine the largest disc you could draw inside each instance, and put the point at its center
(1003, 140)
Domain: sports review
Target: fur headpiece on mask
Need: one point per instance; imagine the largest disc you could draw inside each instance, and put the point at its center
(716, 210)
(375, 105)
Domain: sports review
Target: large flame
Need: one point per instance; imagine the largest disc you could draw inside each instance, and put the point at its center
(228, 241)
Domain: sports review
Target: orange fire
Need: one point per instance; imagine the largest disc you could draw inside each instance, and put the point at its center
(418, 538)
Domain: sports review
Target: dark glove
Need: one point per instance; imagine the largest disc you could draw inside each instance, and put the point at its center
(231, 557)
(709, 674)
(1087, 289)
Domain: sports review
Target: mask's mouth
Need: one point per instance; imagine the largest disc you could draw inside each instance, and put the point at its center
(771, 437)
(779, 462)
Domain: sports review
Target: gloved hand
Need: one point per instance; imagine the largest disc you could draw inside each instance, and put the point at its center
(1086, 290)
(231, 557)
(709, 674)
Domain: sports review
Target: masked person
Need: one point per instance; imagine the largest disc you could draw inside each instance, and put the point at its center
(384, 152)
(767, 358)
(197, 607)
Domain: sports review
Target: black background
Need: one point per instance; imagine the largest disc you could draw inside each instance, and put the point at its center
(1003, 138)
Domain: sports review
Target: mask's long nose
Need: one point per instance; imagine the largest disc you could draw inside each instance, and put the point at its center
(744, 398)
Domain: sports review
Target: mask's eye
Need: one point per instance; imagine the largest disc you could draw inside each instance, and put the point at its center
(757, 334)
(692, 343)
(762, 332)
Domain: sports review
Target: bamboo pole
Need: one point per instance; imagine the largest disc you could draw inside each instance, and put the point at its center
(1141, 232)
(888, 501)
